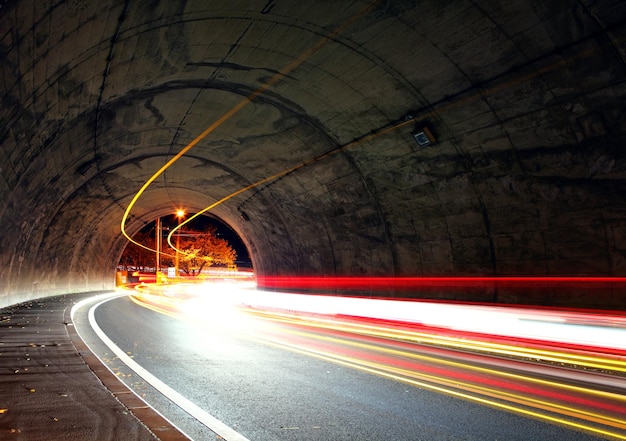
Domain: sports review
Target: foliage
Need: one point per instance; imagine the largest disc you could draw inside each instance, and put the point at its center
(199, 249)
(203, 249)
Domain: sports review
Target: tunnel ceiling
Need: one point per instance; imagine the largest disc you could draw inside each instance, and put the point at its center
(311, 109)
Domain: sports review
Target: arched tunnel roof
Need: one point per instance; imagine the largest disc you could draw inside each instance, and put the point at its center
(373, 138)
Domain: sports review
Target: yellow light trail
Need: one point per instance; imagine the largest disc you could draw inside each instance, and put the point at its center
(580, 360)
(464, 390)
(463, 366)
(154, 306)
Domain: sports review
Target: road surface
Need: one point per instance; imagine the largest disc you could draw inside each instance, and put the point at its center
(263, 377)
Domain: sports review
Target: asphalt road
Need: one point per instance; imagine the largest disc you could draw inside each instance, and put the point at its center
(255, 376)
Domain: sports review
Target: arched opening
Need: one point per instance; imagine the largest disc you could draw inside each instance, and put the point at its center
(217, 247)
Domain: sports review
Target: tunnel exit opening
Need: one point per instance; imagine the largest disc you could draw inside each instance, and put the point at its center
(205, 246)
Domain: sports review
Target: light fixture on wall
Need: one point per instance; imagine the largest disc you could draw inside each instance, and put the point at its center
(424, 137)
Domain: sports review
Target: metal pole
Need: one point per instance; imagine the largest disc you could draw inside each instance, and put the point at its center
(158, 248)
(177, 246)
(179, 213)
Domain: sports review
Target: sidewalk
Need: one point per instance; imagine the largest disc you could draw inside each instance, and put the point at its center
(53, 388)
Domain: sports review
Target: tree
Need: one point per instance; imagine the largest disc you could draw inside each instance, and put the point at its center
(200, 249)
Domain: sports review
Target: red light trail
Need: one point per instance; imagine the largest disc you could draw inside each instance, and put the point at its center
(412, 283)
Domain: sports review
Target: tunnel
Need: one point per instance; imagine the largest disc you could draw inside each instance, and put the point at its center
(338, 139)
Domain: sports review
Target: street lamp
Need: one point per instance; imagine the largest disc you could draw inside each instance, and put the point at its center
(179, 215)
(158, 250)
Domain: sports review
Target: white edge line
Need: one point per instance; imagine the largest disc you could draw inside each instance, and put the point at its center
(192, 409)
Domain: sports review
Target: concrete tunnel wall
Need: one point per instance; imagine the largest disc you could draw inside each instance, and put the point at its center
(525, 100)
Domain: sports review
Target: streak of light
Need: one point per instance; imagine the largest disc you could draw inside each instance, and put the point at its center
(160, 304)
(469, 392)
(495, 372)
(394, 283)
(605, 362)
(460, 365)
(368, 137)
(604, 331)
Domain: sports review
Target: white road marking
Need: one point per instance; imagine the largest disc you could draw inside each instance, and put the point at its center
(188, 406)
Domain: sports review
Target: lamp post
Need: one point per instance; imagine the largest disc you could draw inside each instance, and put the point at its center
(158, 250)
(179, 215)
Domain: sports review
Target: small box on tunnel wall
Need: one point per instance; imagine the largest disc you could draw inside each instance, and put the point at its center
(424, 137)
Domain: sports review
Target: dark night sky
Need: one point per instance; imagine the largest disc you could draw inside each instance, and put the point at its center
(221, 229)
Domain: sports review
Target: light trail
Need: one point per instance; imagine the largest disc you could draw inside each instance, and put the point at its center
(519, 393)
(604, 331)
(468, 390)
(427, 282)
(469, 342)
(582, 388)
